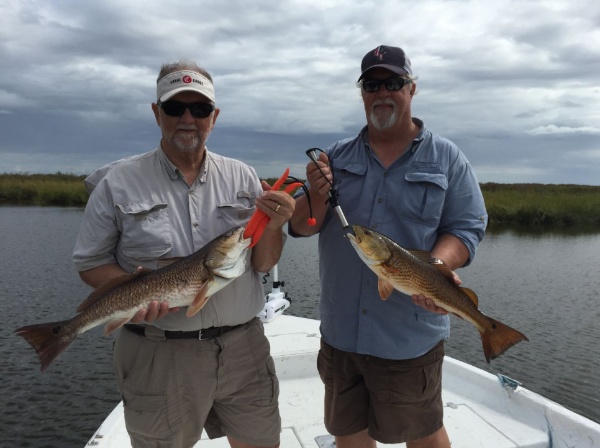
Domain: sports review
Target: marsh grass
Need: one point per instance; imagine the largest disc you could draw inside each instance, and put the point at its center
(43, 189)
(545, 205)
(541, 204)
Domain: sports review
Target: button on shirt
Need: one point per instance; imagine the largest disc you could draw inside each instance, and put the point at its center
(430, 190)
(141, 210)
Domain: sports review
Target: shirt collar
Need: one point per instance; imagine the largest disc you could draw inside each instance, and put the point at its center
(169, 168)
(174, 173)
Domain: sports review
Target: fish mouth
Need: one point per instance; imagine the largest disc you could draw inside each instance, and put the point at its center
(235, 244)
(356, 233)
(241, 235)
(351, 235)
(244, 242)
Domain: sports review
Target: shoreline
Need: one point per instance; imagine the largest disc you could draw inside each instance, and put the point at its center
(539, 205)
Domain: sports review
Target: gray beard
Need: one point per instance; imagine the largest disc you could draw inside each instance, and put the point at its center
(382, 123)
(186, 144)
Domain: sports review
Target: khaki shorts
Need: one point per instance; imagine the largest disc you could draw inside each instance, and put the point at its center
(173, 388)
(396, 400)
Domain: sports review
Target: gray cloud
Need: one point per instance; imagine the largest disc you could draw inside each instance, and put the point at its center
(513, 83)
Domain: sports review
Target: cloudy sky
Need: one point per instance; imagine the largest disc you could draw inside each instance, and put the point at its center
(515, 83)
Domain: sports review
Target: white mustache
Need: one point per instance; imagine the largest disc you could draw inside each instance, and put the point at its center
(386, 102)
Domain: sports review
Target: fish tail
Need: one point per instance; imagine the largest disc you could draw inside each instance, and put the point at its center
(47, 340)
(498, 337)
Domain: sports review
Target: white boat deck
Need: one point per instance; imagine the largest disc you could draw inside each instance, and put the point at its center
(479, 411)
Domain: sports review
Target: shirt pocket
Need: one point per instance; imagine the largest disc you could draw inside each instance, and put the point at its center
(349, 181)
(233, 214)
(145, 230)
(426, 193)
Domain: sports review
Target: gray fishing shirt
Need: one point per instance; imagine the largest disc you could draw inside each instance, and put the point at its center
(430, 190)
(141, 210)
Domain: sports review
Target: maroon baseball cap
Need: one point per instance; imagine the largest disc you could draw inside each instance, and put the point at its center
(391, 58)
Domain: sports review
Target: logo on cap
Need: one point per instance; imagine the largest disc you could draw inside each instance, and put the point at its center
(187, 79)
(378, 53)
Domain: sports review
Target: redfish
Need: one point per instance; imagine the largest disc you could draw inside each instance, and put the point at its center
(411, 273)
(189, 281)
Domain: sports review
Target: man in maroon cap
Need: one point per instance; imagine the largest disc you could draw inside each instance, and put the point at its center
(381, 361)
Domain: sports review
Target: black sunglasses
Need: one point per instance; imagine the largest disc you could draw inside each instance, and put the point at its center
(176, 108)
(391, 84)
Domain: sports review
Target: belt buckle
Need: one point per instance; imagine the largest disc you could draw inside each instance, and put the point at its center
(200, 338)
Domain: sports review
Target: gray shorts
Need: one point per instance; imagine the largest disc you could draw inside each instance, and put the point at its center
(396, 400)
(173, 388)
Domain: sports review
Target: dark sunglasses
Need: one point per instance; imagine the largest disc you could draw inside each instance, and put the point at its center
(392, 84)
(176, 108)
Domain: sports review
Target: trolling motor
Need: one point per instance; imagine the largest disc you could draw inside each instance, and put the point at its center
(333, 200)
(276, 302)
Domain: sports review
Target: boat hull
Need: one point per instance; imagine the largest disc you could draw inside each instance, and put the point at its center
(480, 409)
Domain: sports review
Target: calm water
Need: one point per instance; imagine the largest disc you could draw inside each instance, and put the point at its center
(544, 285)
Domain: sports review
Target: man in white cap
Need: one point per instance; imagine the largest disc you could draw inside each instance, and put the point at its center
(381, 361)
(212, 371)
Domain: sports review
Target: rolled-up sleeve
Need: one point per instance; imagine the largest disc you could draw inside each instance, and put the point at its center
(464, 213)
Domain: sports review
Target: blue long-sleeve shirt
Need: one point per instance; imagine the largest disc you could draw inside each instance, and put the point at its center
(430, 190)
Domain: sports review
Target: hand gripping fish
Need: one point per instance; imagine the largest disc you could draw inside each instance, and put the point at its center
(189, 281)
(411, 273)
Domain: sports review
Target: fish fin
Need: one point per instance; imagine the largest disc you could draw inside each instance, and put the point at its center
(46, 340)
(422, 255)
(471, 295)
(445, 270)
(109, 285)
(199, 301)
(162, 262)
(114, 325)
(498, 338)
(385, 289)
(425, 257)
(87, 302)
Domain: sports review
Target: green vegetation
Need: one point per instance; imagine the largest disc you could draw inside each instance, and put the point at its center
(521, 204)
(43, 189)
(541, 204)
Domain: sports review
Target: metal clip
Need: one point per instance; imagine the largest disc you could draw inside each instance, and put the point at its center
(312, 154)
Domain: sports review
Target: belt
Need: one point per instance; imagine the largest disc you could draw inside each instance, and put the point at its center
(202, 335)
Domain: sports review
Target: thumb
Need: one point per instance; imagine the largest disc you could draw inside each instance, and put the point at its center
(265, 186)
